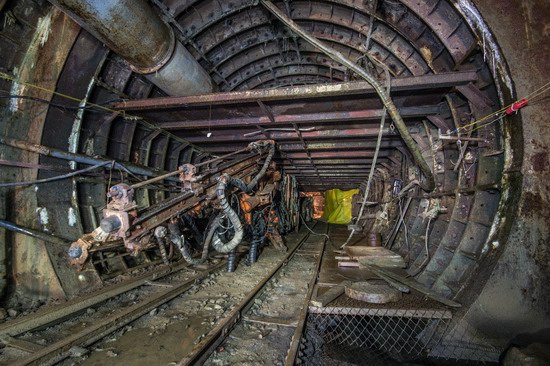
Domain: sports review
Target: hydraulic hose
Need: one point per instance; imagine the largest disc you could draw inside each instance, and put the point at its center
(214, 225)
(231, 260)
(258, 146)
(258, 236)
(179, 240)
(217, 242)
(226, 181)
(160, 234)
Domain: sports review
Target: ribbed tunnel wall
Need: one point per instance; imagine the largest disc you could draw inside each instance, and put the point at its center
(242, 47)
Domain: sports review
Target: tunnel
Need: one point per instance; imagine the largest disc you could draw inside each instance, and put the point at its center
(166, 124)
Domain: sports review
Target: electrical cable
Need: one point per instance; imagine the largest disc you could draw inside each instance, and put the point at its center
(61, 106)
(371, 175)
(313, 232)
(426, 243)
(509, 109)
(138, 119)
(56, 178)
(373, 164)
(406, 231)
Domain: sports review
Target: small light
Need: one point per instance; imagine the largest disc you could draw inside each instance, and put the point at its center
(209, 134)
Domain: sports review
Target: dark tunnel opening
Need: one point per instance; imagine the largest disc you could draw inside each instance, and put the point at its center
(161, 86)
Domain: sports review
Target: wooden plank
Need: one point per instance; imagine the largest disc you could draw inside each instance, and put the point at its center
(418, 287)
(342, 258)
(21, 344)
(389, 280)
(271, 321)
(382, 262)
(330, 295)
(379, 256)
(348, 264)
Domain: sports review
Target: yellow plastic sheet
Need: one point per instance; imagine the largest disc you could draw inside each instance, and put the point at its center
(338, 206)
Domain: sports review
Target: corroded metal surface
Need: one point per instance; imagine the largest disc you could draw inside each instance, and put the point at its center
(138, 35)
(242, 47)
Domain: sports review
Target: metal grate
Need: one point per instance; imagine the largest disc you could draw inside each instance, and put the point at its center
(351, 332)
(463, 342)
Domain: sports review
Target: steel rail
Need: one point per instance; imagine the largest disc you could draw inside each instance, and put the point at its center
(297, 336)
(57, 313)
(58, 351)
(200, 353)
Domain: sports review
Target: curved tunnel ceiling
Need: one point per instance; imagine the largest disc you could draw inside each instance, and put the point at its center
(242, 47)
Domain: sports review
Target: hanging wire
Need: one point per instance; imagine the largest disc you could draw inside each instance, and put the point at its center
(56, 178)
(373, 165)
(497, 115)
(99, 107)
(427, 248)
(89, 108)
(406, 231)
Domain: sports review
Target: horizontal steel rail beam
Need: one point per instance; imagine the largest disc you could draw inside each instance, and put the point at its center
(415, 83)
(316, 146)
(318, 134)
(285, 119)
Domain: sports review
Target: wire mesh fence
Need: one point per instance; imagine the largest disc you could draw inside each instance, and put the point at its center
(414, 330)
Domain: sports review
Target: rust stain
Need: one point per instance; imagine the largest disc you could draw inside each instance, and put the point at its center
(532, 203)
(42, 65)
(539, 161)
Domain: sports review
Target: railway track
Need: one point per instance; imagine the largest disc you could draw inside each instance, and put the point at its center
(193, 316)
(273, 315)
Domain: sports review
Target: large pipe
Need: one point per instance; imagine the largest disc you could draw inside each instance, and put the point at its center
(33, 233)
(136, 33)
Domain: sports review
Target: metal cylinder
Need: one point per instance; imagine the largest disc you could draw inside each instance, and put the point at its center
(231, 260)
(182, 75)
(136, 33)
(110, 224)
(374, 239)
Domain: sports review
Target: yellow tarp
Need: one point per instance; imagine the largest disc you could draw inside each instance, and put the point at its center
(338, 206)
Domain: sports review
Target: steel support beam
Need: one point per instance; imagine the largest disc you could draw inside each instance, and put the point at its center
(315, 146)
(339, 162)
(330, 167)
(415, 83)
(322, 134)
(329, 175)
(284, 119)
(363, 171)
(335, 154)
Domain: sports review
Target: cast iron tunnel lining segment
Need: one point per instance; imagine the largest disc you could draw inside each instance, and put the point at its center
(237, 34)
(415, 39)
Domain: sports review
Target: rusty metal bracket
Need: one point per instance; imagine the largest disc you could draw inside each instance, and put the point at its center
(190, 180)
